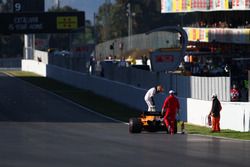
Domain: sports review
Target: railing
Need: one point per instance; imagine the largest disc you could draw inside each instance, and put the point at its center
(186, 86)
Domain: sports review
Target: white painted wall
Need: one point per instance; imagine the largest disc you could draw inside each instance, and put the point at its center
(42, 55)
(234, 115)
(34, 66)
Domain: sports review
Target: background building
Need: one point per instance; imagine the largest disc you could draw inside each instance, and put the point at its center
(221, 29)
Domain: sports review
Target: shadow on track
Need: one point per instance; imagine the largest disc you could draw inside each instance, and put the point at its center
(23, 102)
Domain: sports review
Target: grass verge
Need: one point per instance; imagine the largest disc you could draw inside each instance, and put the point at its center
(107, 106)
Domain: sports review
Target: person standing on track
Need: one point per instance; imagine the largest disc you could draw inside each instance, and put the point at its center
(215, 113)
(170, 108)
(149, 97)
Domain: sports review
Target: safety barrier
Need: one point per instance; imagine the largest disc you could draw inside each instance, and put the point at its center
(234, 115)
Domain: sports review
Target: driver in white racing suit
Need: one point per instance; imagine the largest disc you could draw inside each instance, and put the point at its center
(149, 97)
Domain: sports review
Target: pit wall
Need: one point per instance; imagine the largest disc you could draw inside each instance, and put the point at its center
(234, 115)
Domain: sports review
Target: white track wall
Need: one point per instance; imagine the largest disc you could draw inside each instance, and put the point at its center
(34, 66)
(234, 116)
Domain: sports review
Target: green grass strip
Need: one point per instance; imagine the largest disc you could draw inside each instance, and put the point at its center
(194, 129)
(85, 98)
(107, 106)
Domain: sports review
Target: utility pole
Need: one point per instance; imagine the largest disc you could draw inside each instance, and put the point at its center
(129, 24)
(57, 3)
(95, 34)
(130, 15)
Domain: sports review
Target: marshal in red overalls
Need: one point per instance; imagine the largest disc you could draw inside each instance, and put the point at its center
(172, 106)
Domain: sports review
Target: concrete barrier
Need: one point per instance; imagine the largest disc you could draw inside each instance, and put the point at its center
(234, 116)
(34, 66)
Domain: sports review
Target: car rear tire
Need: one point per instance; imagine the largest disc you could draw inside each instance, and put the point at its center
(135, 125)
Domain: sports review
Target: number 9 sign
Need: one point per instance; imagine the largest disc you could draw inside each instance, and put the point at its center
(17, 7)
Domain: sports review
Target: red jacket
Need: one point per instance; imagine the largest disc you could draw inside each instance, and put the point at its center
(171, 104)
(234, 94)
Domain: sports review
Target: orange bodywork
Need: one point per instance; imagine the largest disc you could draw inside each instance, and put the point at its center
(146, 119)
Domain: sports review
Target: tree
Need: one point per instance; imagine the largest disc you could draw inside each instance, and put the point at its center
(5, 6)
(103, 22)
(62, 9)
(114, 22)
(113, 18)
(11, 46)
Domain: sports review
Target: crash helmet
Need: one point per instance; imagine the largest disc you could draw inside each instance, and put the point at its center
(214, 95)
(171, 92)
(160, 88)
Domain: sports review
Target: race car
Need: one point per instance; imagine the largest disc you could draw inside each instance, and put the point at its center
(148, 121)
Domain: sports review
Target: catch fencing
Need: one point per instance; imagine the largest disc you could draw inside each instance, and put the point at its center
(195, 87)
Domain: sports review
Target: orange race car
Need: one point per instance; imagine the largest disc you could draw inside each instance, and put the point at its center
(148, 121)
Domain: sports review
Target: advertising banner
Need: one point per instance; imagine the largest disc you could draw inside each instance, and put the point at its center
(223, 35)
(219, 5)
(238, 4)
(166, 6)
(247, 4)
(169, 6)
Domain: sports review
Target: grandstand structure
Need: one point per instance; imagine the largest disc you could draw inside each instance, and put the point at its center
(219, 27)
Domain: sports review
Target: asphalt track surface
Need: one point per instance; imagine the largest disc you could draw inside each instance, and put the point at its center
(40, 129)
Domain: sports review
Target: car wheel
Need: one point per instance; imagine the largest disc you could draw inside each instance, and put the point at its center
(135, 125)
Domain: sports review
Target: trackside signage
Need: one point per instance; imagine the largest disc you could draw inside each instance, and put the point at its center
(161, 58)
(168, 59)
(49, 22)
(164, 61)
